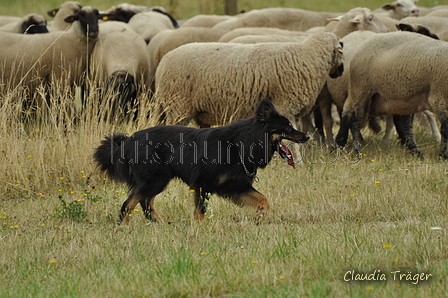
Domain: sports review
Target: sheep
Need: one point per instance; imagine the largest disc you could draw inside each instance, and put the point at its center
(186, 35)
(65, 10)
(278, 17)
(31, 60)
(180, 37)
(399, 9)
(120, 63)
(205, 20)
(124, 12)
(213, 83)
(336, 90)
(30, 24)
(148, 23)
(437, 25)
(443, 13)
(358, 18)
(414, 64)
(8, 19)
(258, 31)
(153, 44)
(248, 39)
(424, 11)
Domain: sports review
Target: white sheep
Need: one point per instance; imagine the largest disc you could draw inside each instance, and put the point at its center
(424, 11)
(248, 39)
(278, 17)
(399, 9)
(205, 20)
(416, 65)
(258, 31)
(30, 24)
(8, 19)
(119, 64)
(148, 23)
(186, 35)
(214, 83)
(439, 13)
(336, 90)
(30, 60)
(152, 47)
(65, 10)
(437, 25)
(358, 18)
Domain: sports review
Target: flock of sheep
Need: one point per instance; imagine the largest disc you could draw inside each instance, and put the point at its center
(213, 69)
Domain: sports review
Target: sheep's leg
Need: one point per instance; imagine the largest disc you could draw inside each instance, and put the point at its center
(298, 155)
(319, 124)
(433, 123)
(200, 198)
(328, 122)
(253, 199)
(403, 125)
(389, 128)
(346, 123)
(444, 143)
(374, 124)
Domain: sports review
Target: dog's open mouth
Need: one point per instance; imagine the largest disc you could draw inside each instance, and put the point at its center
(286, 153)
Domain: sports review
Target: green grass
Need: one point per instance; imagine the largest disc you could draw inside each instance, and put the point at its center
(387, 212)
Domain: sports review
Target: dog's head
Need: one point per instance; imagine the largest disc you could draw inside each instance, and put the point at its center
(279, 127)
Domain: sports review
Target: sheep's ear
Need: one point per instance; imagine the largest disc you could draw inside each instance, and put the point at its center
(52, 13)
(265, 110)
(71, 19)
(338, 18)
(388, 6)
(404, 27)
(357, 19)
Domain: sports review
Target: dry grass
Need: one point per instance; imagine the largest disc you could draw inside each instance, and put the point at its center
(387, 212)
(329, 216)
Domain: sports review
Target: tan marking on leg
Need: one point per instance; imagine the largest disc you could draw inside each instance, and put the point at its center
(129, 205)
(198, 215)
(255, 200)
(154, 215)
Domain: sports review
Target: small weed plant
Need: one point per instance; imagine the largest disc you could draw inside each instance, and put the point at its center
(73, 210)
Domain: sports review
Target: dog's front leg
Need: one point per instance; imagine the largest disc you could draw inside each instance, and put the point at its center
(149, 211)
(253, 199)
(200, 207)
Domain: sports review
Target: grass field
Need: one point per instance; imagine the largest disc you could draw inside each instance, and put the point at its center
(333, 220)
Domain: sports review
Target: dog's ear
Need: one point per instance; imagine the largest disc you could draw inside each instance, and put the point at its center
(265, 110)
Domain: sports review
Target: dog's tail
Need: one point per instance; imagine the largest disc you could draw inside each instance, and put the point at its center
(109, 158)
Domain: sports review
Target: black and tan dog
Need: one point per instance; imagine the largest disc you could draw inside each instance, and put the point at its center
(220, 160)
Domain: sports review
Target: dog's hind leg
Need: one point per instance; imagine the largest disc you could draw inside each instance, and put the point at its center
(200, 198)
(253, 199)
(146, 194)
(128, 207)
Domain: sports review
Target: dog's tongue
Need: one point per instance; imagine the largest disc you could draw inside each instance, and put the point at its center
(288, 154)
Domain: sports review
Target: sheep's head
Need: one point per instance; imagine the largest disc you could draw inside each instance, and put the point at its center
(34, 23)
(364, 19)
(338, 60)
(402, 8)
(88, 20)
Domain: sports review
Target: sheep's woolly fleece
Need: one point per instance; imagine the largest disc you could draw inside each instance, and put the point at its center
(216, 83)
